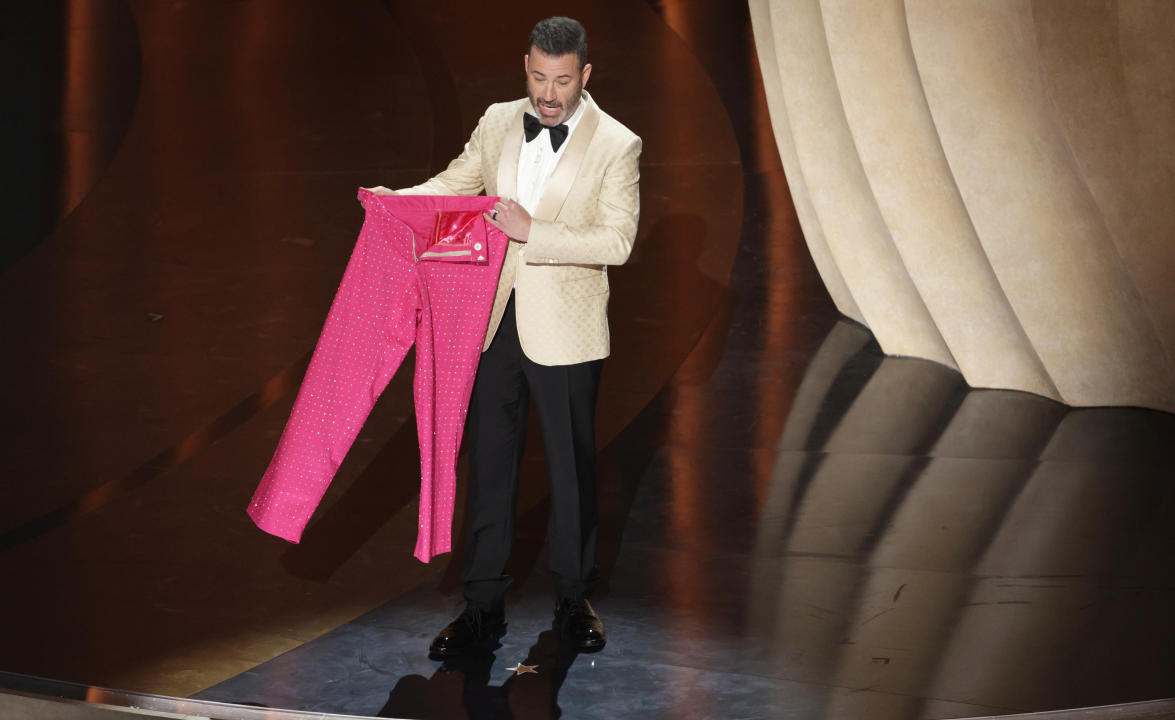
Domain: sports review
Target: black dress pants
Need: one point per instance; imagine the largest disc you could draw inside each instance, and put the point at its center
(565, 398)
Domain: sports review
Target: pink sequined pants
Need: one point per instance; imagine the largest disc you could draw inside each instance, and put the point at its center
(387, 301)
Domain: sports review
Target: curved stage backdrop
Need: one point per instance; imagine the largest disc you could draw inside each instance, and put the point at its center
(987, 183)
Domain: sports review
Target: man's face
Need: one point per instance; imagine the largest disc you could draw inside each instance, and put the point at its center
(553, 84)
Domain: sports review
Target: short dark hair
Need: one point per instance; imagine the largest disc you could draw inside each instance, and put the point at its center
(560, 36)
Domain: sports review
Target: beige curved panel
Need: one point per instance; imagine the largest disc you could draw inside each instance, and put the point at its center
(1109, 69)
(857, 237)
(991, 180)
(1026, 195)
(842, 296)
(904, 162)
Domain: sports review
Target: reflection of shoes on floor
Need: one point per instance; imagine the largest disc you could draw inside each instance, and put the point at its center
(578, 622)
(473, 630)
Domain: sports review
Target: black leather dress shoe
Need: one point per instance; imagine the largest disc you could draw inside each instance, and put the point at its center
(578, 622)
(474, 630)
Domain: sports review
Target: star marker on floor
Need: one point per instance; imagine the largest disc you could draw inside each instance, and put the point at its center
(521, 669)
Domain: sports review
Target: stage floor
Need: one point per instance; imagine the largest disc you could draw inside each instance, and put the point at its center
(793, 525)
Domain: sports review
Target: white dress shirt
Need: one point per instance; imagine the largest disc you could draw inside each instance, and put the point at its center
(536, 160)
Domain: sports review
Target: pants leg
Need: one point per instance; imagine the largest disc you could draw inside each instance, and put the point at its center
(448, 353)
(369, 329)
(496, 438)
(565, 397)
(456, 299)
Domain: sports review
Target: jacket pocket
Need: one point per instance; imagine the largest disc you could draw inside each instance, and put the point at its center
(595, 283)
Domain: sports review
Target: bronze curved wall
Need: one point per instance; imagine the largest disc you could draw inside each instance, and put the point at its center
(987, 183)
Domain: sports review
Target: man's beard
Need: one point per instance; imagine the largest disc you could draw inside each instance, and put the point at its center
(535, 104)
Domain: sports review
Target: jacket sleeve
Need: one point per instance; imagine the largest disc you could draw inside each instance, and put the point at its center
(463, 176)
(608, 241)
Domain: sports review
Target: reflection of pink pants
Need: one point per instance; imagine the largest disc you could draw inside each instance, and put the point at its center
(386, 301)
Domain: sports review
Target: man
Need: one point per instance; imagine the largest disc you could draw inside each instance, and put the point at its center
(567, 176)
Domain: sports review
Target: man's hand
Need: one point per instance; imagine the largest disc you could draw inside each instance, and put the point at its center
(511, 218)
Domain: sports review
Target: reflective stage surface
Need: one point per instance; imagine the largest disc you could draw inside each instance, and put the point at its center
(793, 525)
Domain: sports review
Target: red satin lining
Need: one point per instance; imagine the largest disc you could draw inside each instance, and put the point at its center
(458, 236)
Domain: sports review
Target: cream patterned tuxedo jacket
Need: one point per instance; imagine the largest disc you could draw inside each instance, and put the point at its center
(585, 220)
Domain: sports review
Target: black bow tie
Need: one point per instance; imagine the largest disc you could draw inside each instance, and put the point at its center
(532, 127)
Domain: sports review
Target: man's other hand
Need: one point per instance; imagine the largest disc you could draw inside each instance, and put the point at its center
(511, 218)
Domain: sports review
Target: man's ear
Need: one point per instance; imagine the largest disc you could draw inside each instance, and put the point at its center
(587, 72)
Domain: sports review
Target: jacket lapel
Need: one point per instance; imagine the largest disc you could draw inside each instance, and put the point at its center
(559, 184)
(508, 160)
